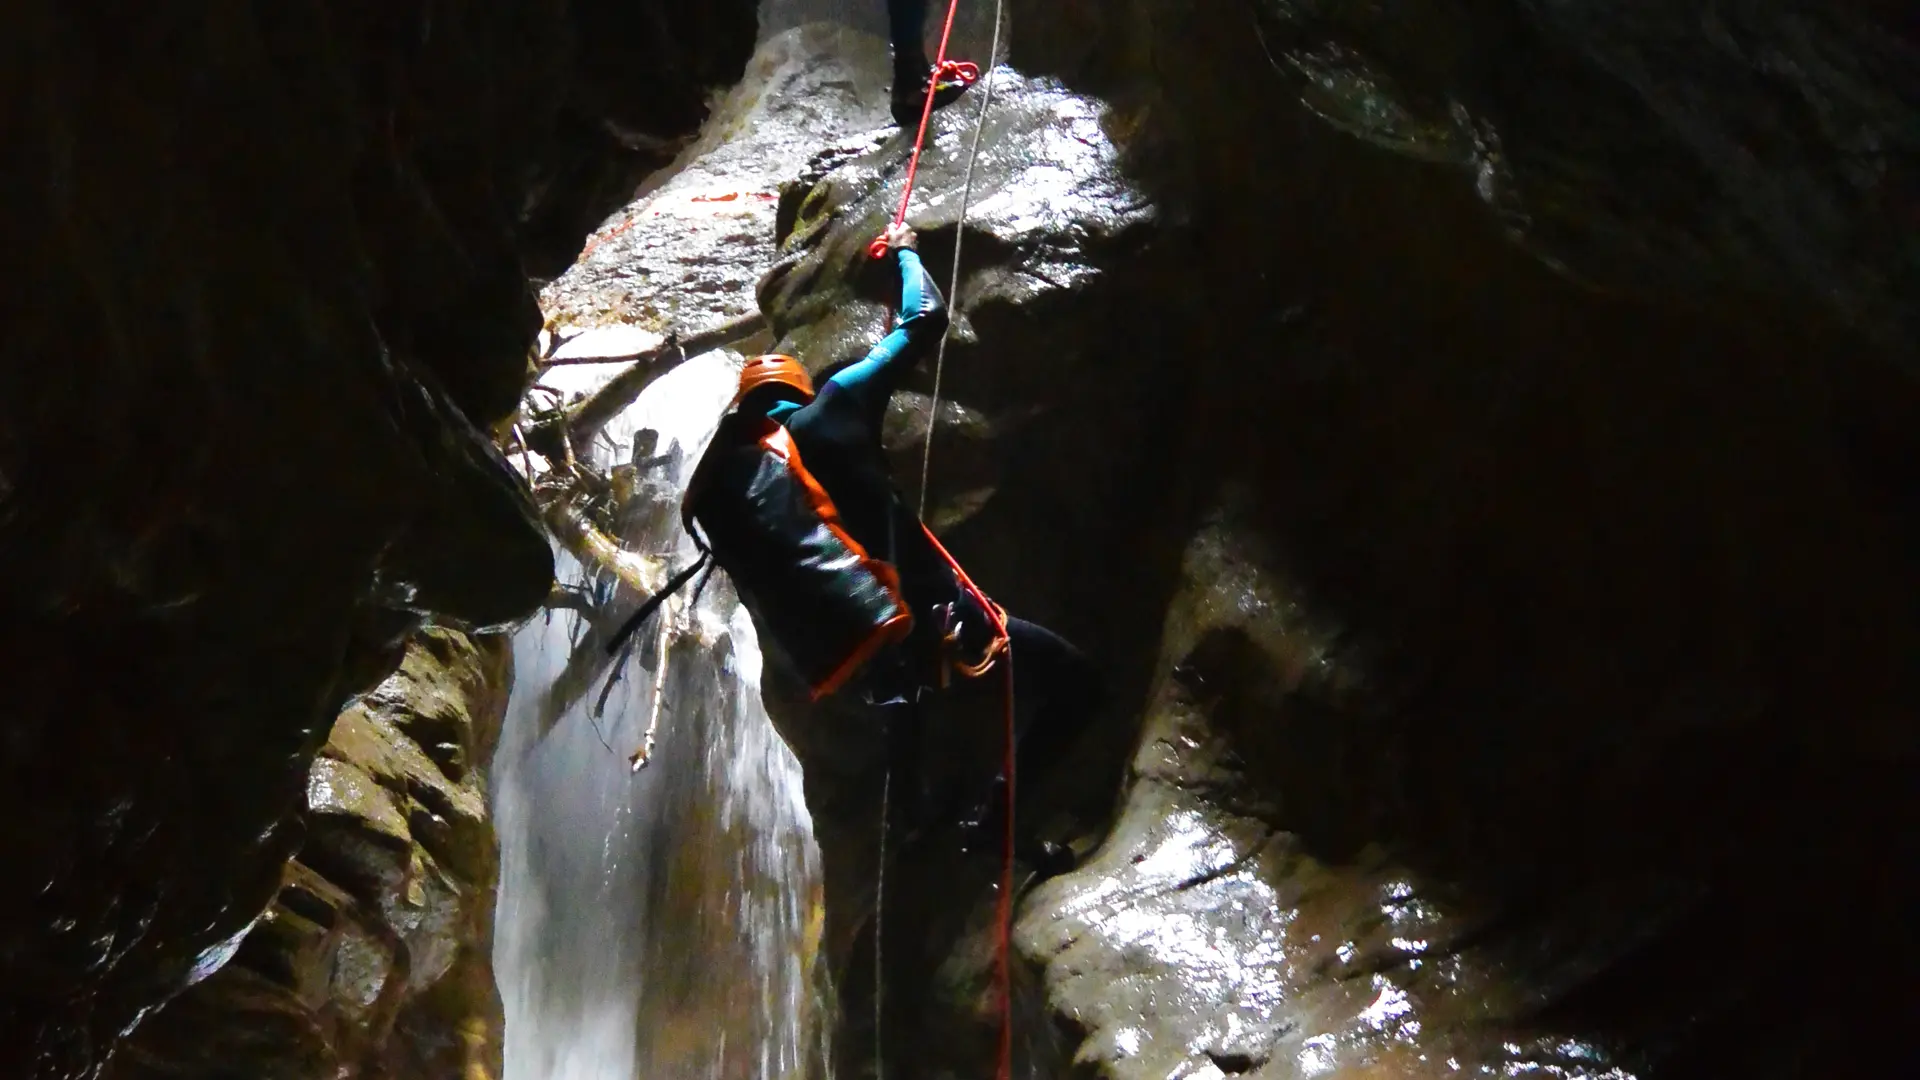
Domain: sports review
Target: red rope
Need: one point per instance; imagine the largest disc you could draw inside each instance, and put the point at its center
(963, 71)
(596, 241)
(1003, 645)
(967, 73)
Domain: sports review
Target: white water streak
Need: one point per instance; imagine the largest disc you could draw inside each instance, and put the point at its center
(655, 924)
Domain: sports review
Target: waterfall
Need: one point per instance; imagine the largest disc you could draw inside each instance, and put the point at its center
(659, 924)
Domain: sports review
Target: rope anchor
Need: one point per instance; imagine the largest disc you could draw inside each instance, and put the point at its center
(966, 73)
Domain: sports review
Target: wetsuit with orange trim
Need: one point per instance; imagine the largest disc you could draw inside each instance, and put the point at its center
(838, 434)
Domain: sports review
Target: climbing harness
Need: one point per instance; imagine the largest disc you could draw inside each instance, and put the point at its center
(1000, 650)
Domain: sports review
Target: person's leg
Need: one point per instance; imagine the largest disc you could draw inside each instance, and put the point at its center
(907, 25)
(1056, 694)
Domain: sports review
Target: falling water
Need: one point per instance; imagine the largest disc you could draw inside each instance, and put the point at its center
(658, 924)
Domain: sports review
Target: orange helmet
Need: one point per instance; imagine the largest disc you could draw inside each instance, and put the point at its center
(777, 369)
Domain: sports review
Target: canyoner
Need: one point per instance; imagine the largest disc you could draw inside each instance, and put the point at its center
(851, 591)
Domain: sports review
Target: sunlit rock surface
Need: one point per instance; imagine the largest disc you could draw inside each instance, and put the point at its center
(1204, 940)
(669, 921)
(686, 253)
(375, 954)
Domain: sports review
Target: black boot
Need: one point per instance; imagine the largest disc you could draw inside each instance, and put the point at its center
(985, 831)
(910, 93)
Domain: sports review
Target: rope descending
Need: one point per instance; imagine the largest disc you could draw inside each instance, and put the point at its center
(959, 239)
(967, 73)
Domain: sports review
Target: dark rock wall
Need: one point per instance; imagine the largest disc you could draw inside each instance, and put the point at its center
(374, 958)
(1551, 361)
(267, 297)
(1575, 423)
(1632, 503)
(1683, 151)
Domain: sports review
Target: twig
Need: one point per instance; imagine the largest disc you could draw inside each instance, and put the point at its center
(526, 455)
(640, 573)
(569, 598)
(643, 756)
(606, 690)
(593, 720)
(583, 420)
(586, 361)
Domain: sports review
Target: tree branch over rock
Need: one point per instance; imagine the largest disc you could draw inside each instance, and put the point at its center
(583, 420)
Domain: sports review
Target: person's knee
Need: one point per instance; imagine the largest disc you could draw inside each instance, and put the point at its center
(1059, 672)
(1074, 671)
(1083, 673)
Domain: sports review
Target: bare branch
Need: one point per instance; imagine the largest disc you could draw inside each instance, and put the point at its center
(584, 419)
(640, 573)
(642, 757)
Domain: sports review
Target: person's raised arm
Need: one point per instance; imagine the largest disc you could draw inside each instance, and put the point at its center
(917, 329)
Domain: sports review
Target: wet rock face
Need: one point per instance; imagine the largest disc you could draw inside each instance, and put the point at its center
(272, 297)
(686, 253)
(1762, 147)
(375, 953)
(1493, 634)
(1241, 917)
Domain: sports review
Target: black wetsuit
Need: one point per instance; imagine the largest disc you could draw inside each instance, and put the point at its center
(838, 436)
(907, 25)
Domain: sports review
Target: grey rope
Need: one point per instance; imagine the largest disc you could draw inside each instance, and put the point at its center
(959, 238)
(926, 470)
(879, 910)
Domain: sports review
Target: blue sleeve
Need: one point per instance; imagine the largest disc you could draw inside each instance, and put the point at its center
(917, 330)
